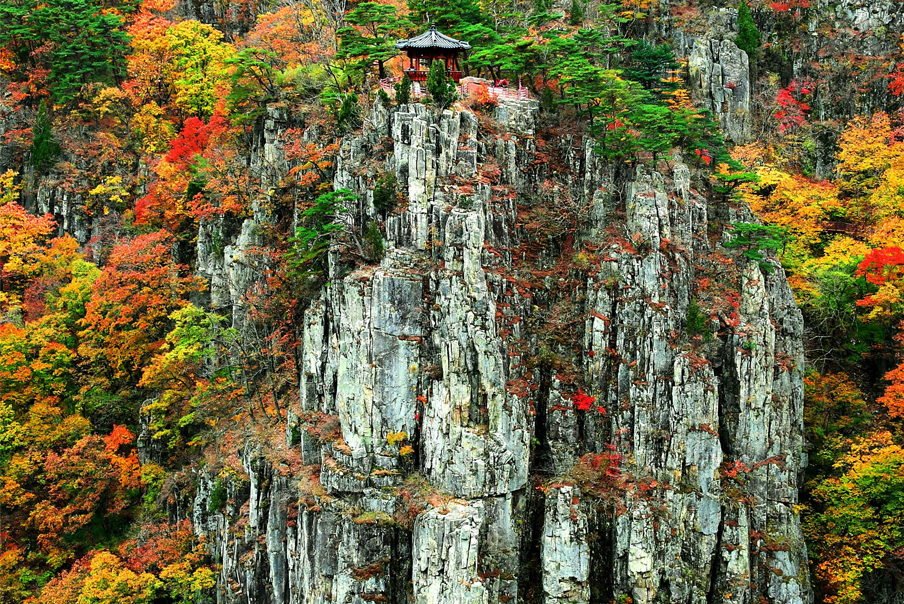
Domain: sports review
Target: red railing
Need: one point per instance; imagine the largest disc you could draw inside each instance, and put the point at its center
(420, 75)
(387, 85)
(519, 93)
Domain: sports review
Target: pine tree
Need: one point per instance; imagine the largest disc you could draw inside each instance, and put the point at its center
(748, 38)
(575, 13)
(44, 149)
(403, 91)
(377, 27)
(84, 42)
(349, 116)
(650, 65)
(451, 17)
(440, 88)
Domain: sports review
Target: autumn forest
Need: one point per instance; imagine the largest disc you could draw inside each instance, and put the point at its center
(618, 317)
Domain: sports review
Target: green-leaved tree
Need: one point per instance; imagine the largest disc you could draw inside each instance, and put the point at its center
(748, 38)
(403, 90)
(755, 239)
(442, 90)
(375, 27)
(44, 149)
(319, 224)
(575, 13)
(78, 41)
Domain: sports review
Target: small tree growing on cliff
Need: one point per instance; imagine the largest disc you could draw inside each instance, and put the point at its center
(349, 116)
(728, 176)
(312, 239)
(757, 238)
(330, 219)
(651, 65)
(748, 38)
(385, 192)
(440, 88)
(44, 148)
(403, 91)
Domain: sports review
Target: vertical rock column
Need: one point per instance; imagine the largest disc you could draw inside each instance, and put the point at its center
(446, 556)
(564, 552)
(379, 330)
(475, 436)
(720, 73)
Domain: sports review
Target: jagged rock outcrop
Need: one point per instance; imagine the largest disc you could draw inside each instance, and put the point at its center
(719, 73)
(521, 270)
(452, 400)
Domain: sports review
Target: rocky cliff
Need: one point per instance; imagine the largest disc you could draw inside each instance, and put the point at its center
(556, 386)
(520, 421)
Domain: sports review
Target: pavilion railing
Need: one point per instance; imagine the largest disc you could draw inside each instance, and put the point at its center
(465, 89)
(519, 93)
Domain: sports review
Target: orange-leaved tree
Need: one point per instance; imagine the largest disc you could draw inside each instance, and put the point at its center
(884, 268)
(201, 176)
(95, 480)
(22, 236)
(128, 315)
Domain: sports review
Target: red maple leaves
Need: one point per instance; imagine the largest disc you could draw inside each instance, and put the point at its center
(896, 81)
(583, 402)
(882, 265)
(793, 108)
(184, 175)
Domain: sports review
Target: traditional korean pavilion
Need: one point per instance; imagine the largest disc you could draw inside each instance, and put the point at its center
(432, 46)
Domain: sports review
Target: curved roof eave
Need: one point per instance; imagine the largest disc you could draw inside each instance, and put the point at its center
(433, 39)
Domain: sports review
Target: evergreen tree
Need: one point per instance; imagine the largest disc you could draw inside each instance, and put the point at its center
(657, 128)
(44, 149)
(318, 225)
(378, 26)
(540, 14)
(513, 55)
(85, 42)
(403, 91)
(349, 116)
(575, 13)
(756, 239)
(451, 17)
(385, 192)
(748, 38)
(650, 66)
(600, 94)
(440, 88)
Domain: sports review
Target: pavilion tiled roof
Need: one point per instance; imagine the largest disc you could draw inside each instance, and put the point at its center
(432, 39)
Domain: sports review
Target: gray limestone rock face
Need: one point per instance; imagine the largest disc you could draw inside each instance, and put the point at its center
(518, 116)
(433, 401)
(244, 267)
(210, 248)
(564, 551)
(677, 417)
(866, 16)
(475, 436)
(436, 388)
(720, 74)
(445, 548)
